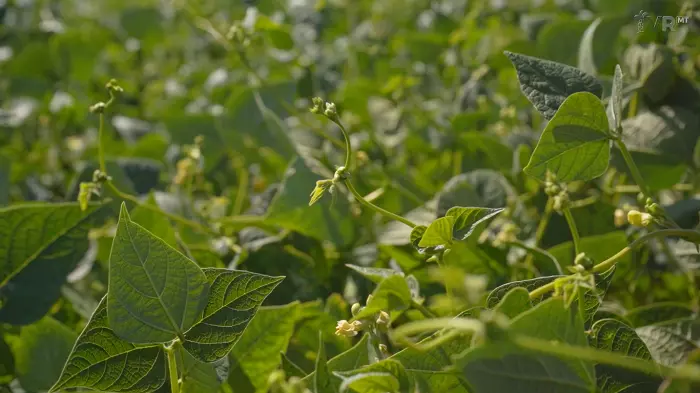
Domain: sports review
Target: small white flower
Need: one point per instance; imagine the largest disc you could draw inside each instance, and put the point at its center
(348, 329)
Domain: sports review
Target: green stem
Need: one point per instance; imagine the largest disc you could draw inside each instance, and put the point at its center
(573, 229)
(685, 372)
(541, 228)
(636, 175)
(376, 208)
(100, 144)
(423, 310)
(172, 368)
(348, 147)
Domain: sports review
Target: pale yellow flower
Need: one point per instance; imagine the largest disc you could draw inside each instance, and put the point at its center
(348, 329)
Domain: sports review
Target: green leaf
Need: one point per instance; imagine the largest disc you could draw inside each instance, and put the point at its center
(290, 208)
(547, 84)
(516, 301)
(199, 377)
(575, 144)
(5, 171)
(592, 297)
(374, 274)
(352, 359)
(652, 64)
(290, 368)
(154, 222)
(502, 367)
(387, 375)
(558, 40)
(234, 298)
(666, 345)
(615, 103)
(500, 292)
(665, 130)
(392, 294)
(155, 293)
(322, 377)
(658, 313)
(40, 351)
(438, 233)
(468, 218)
(598, 248)
(101, 360)
(7, 363)
(595, 54)
(614, 336)
(40, 244)
(415, 238)
(257, 352)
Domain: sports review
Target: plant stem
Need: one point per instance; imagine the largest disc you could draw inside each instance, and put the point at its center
(423, 310)
(686, 372)
(376, 208)
(541, 228)
(100, 144)
(573, 229)
(348, 147)
(636, 175)
(172, 367)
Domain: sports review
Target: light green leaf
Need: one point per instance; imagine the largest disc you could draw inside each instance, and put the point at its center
(234, 298)
(374, 274)
(575, 144)
(516, 301)
(392, 294)
(666, 345)
(614, 336)
(40, 352)
(257, 352)
(547, 84)
(155, 293)
(102, 361)
(615, 103)
(387, 375)
(438, 233)
(502, 367)
(199, 377)
(323, 380)
(468, 218)
(500, 292)
(40, 244)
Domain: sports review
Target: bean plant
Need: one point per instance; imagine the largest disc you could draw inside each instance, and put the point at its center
(332, 197)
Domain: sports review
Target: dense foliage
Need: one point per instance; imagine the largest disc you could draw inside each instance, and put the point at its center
(336, 196)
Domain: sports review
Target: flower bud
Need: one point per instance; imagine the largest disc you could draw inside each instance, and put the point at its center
(355, 309)
(384, 350)
(561, 202)
(331, 111)
(383, 319)
(619, 219)
(98, 108)
(584, 261)
(639, 219)
(369, 298)
(654, 209)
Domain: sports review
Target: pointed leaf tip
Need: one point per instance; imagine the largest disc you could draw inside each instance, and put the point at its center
(124, 212)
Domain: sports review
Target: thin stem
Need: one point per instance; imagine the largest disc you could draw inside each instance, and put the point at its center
(172, 368)
(401, 333)
(100, 144)
(541, 228)
(686, 372)
(348, 147)
(573, 229)
(636, 175)
(423, 310)
(376, 208)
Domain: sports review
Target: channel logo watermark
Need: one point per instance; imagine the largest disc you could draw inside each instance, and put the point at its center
(665, 22)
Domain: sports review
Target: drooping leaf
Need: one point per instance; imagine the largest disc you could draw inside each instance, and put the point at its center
(257, 352)
(155, 293)
(202, 377)
(234, 298)
(575, 144)
(40, 244)
(468, 218)
(516, 301)
(547, 84)
(40, 351)
(392, 294)
(614, 336)
(101, 360)
(438, 233)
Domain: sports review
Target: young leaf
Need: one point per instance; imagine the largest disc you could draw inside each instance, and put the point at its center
(40, 244)
(575, 144)
(547, 84)
(614, 336)
(155, 293)
(615, 103)
(468, 218)
(234, 298)
(438, 233)
(40, 351)
(391, 294)
(514, 302)
(100, 360)
(323, 380)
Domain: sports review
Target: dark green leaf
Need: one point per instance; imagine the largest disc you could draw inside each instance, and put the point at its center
(547, 84)
(352, 359)
(290, 368)
(468, 218)
(101, 360)
(666, 130)
(234, 298)
(575, 143)
(155, 293)
(594, 53)
(654, 314)
(666, 345)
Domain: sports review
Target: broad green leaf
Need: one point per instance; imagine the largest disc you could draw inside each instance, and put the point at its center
(40, 351)
(614, 336)
(652, 64)
(575, 144)
(257, 352)
(290, 208)
(438, 233)
(7, 363)
(499, 293)
(199, 377)
(101, 360)
(392, 294)
(290, 368)
(234, 298)
(516, 301)
(374, 274)
(468, 218)
(598, 248)
(615, 103)
(501, 366)
(417, 236)
(154, 222)
(665, 130)
(387, 375)
(547, 84)
(666, 345)
(40, 244)
(478, 259)
(593, 297)
(323, 380)
(155, 293)
(658, 313)
(352, 359)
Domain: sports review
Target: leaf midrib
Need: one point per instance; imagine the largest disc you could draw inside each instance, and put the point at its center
(577, 147)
